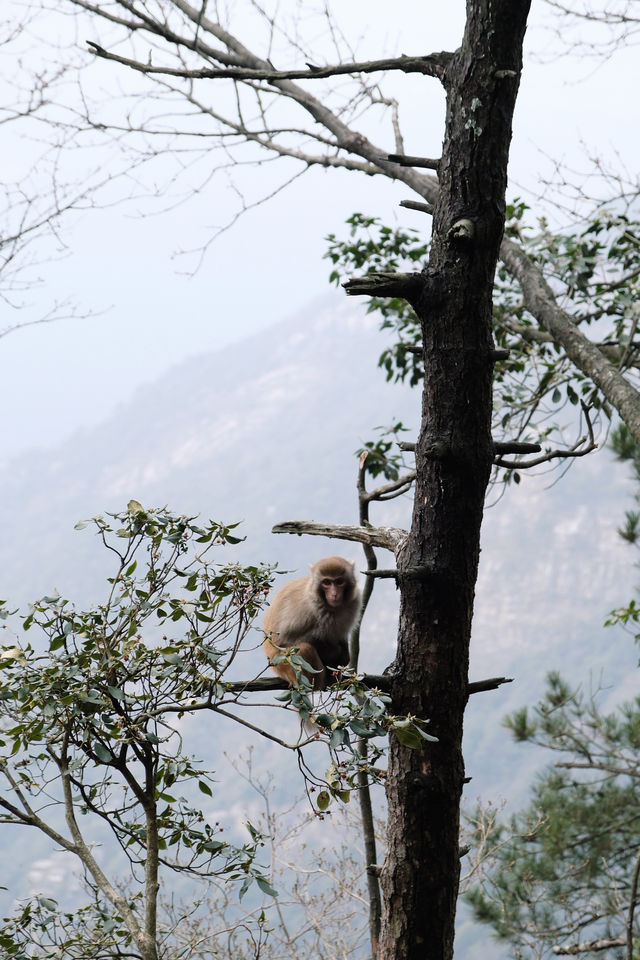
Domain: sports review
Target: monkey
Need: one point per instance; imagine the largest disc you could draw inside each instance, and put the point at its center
(314, 614)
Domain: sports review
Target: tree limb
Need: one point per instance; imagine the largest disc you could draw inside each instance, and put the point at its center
(590, 946)
(515, 446)
(406, 161)
(432, 65)
(389, 538)
(580, 448)
(86, 856)
(416, 205)
(541, 303)
(265, 684)
(381, 284)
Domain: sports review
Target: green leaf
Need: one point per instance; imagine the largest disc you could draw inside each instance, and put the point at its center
(323, 800)
(48, 904)
(102, 753)
(324, 720)
(213, 845)
(172, 658)
(361, 729)
(266, 887)
(408, 737)
(205, 788)
(339, 737)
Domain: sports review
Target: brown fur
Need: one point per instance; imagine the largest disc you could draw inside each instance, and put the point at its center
(301, 616)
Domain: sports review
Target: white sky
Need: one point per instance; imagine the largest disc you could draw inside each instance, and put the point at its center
(148, 316)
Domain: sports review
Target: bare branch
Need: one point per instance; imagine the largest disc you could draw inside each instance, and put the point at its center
(590, 946)
(515, 446)
(582, 446)
(406, 161)
(389, 491)
(622, 771)
(416, 205)
(389, 538)
(432, 65)
(384, 285)
(380, 574)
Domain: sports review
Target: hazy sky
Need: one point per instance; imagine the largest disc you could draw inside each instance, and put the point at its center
(149, 316)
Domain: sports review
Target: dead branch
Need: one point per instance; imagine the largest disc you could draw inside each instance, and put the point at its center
(388, 538)
(406, 161)
(589, 946)
(432, 65)
(384, 285)
(515, 446)
(416, 205)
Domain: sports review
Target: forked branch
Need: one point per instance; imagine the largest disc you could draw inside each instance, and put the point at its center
(584, 445)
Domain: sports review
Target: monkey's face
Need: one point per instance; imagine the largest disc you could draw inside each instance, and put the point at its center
(333, 589)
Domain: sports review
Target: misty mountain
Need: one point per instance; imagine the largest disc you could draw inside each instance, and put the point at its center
(265, 431)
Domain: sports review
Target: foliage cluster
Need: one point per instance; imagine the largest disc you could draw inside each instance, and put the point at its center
(565, 869)
(90, 727)
(92, 735)
(594, 272)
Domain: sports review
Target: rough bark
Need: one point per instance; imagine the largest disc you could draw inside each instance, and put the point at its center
(453, 462)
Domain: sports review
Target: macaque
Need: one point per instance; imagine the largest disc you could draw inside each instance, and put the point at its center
(314, 614)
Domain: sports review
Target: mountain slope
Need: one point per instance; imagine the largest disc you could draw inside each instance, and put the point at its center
(265, 431)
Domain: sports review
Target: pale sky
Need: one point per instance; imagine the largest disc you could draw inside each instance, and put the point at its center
(148, 316)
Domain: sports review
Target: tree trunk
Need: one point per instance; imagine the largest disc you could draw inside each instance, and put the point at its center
(438, 563)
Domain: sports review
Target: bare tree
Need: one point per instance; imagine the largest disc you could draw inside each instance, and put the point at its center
(255, 114)
(585, 17)
(36, 198)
